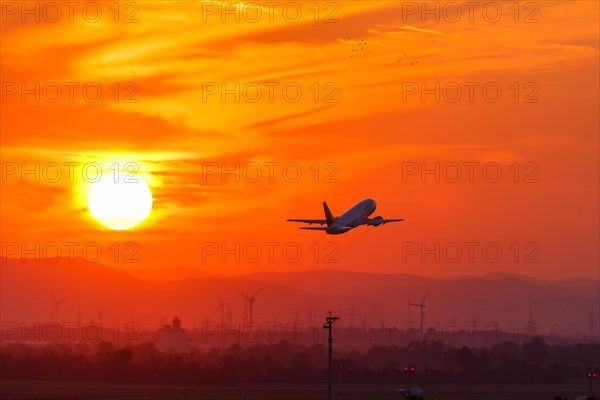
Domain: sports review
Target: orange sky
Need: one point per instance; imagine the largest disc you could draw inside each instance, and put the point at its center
(367, 132)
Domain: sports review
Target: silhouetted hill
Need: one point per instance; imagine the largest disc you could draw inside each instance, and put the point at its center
(171, 274)
(506, 299)
(369, 300)
(26, 290)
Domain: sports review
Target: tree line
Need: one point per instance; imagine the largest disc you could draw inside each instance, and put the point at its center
(532, 362)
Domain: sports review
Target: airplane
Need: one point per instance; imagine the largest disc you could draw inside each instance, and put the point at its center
(355, 216)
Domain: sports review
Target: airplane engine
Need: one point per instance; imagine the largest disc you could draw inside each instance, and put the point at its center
(377, 217)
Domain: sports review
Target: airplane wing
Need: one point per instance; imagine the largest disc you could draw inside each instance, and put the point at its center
(313, 228)
(309, 221)
(380, 221)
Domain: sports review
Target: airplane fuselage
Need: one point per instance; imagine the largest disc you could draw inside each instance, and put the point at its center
(352, 218)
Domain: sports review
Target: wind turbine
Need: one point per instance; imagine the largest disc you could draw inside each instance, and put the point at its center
(421, 305)
(309, 316)
(352, 310)
(250, 304)
(221, 308)
(228, 314)
(55, 307)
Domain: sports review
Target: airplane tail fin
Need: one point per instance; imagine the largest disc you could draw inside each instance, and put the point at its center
(328, 215)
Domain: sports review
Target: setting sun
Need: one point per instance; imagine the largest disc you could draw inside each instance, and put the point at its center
(120, 200)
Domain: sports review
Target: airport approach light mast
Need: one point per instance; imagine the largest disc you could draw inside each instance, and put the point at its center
(329, 325)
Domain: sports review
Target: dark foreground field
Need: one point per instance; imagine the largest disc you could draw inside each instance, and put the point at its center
(70, 391)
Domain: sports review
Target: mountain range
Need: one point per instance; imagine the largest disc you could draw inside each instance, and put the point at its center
(88, 291)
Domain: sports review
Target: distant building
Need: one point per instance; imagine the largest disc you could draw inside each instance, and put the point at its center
(173, 338)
